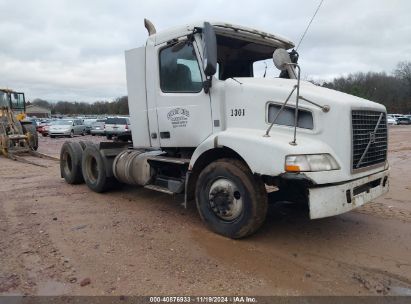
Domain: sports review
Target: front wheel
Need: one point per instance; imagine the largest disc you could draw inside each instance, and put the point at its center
(71, 134)
(33, 136)
(230, 199)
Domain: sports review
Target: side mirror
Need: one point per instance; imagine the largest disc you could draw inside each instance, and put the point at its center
(281, 59)
(210, 50)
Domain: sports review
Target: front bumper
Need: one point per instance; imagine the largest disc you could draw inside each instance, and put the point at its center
(339, 198)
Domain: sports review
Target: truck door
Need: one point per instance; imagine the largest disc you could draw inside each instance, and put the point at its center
(183, 109)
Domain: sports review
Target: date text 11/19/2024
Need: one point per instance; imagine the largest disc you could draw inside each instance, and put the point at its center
(202, 299)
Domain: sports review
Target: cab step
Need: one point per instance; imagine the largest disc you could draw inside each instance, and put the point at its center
(167, 185)
(159, 189)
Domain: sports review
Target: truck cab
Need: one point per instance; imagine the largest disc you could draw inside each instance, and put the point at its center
(15, 101)
(204, 126)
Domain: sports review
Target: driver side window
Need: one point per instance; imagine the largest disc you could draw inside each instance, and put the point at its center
(179, 70)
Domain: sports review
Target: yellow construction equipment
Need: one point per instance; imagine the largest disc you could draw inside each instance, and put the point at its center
(17, 136)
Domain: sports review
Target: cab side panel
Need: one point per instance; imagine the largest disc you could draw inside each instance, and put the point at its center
(136, 85)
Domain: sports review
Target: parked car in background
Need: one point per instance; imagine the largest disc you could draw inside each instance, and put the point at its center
(97, 127)
(404, 120)
(391, 120)
(118, 127)
(46, 129)
(43, 126)
(396, 116)
(67, 127)
(88, 122)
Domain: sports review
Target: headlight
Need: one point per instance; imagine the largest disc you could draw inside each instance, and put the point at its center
(310, 163)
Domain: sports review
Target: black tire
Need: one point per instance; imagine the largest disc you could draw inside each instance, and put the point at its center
(94, 170)
(124, 138)
(249, 189)
(70, 162)
(44, 134)
(71, 134)
(109, 137)
(34, 136)
(52, 136)
(83, 133)
(85, 143)
(93, 134)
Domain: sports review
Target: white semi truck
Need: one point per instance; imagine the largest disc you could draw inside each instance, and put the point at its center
(204, 127)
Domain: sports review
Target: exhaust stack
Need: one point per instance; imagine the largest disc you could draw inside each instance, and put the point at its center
(150, 27)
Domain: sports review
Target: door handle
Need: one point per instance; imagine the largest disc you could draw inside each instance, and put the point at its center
(165, 134)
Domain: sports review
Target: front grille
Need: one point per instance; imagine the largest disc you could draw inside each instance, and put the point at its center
(363, 135)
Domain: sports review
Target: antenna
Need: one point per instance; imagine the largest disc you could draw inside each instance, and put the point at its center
(308, 26)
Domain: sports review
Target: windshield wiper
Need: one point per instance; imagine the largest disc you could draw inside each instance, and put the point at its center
(236, 80)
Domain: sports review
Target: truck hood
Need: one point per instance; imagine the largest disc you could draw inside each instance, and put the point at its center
(280, 88)
(246, 102)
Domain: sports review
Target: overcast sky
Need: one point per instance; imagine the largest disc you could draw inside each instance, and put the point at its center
(74, 50)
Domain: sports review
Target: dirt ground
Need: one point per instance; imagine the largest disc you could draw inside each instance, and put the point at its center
(58, 239)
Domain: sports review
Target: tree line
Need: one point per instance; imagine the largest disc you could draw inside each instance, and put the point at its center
(393, 91)
(118, 106)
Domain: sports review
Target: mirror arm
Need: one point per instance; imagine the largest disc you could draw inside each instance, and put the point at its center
(297, 98)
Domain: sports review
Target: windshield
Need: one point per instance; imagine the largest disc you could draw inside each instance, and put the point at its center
(4, 102)
(116, 121)
(236, 56)
(17, 101)
(63, 123)
(89, 122)
(245, 58)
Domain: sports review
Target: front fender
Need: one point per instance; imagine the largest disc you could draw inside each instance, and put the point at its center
(263, 155)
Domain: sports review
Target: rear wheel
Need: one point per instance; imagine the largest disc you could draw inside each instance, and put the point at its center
(94, 170)
(70, 162)
(231, 201)
(85, 143)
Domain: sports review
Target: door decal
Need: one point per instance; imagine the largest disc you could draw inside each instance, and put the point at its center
(178, 117)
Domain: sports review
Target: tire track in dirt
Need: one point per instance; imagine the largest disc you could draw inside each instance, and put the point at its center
(384, 211)
(36, 266)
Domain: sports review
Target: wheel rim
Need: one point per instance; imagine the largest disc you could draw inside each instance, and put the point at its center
(92, 169)
(226, 200)
(68, 165)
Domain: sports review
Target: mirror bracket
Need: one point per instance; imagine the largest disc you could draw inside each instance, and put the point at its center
(207, 84)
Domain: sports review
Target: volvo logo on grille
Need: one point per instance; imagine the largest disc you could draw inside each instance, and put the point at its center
(372, 137)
